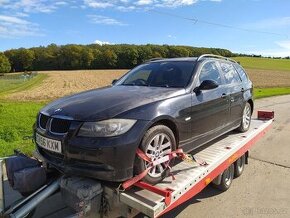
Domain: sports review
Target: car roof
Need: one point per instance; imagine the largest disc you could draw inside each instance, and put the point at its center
(173, 59)
(191, 59)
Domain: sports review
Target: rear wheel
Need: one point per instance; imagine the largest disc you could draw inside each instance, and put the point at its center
(246, 119)
(156, 143)
(240, 166)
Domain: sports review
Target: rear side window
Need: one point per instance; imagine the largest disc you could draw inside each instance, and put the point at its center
(242, 73)
(230, 73)
(209, 71)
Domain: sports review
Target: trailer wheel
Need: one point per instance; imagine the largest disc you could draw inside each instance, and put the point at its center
(227, 178)
(240, 166)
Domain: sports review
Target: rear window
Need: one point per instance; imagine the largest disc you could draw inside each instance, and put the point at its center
(230, 73)
(171, 74)
(242, 73)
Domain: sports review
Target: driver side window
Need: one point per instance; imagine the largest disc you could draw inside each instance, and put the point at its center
(210, 71)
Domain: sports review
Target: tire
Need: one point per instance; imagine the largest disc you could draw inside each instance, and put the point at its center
(227, 179)
(240, 166)
(151, 145)
(246, 118)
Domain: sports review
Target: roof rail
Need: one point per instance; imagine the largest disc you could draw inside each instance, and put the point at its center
(215, 56)
(153, 59)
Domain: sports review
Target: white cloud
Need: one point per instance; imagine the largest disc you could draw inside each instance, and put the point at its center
(277, 22)
(130, 5)
(144, 2)
(99, 4)
(99, 42)
(99, 19)
(32, 6)
(284, 44)
(11, 27)
(171, 36)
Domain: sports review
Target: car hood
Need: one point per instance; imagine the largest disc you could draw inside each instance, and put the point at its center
(107, 102)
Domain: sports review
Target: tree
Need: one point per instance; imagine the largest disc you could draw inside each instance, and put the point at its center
(109, 59)
(5, 66)
(26, 58)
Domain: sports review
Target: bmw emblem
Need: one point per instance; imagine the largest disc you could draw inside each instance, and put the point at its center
(58, 110)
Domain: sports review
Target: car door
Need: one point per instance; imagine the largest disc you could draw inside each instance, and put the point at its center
(235, 89)
(209, 110)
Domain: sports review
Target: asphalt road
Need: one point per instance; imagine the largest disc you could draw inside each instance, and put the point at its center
(262, 191)
(264, 188)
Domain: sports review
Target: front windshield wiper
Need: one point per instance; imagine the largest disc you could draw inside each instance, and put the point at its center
(133, 84)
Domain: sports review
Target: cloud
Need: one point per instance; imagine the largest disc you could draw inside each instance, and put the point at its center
(284, 44)
(130, 5)
(32, 6)
(171, 36)
(272, 23)
(282, 50)
(99, 42)
(99, 19)
(144, 2)
(98, 4)
(13, 27)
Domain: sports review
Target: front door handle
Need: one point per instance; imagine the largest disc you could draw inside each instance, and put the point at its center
(242, 90)
(224, 95)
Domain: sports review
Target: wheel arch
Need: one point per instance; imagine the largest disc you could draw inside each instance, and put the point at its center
(252, 104)
(169, 122)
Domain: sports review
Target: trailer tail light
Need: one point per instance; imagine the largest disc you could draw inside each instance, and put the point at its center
(265, 115)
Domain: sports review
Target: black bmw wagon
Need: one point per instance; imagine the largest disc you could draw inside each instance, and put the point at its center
(158, 106)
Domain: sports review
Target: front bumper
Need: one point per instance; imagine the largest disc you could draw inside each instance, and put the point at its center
(109, 159)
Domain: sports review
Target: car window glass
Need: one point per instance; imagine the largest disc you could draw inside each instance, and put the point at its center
(142, 74)
(175, 74)
(210, 71)
(242, 73)
(230, 74)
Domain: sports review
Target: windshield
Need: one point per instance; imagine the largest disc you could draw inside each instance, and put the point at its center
(171, 74)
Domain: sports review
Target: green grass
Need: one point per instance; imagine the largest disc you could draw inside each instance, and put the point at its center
(16, 120)
(8, 86)
(268, 92)
(264, 63)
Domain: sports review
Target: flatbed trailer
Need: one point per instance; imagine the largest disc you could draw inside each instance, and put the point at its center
(190, 178)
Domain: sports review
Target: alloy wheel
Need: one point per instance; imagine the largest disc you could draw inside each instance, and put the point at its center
(247, 116)
(157, 148)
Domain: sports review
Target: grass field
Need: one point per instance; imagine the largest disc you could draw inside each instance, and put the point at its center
(16, 122)
(264, 63)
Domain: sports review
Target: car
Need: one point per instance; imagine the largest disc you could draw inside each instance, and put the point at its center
(159, 106)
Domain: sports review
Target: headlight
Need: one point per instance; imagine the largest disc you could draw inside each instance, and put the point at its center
(106, 128)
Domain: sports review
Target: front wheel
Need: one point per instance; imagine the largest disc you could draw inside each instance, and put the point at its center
(156, 143)
(246, 119)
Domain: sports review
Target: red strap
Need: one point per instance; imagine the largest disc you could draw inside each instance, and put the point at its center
(177, 153)
(135, 179)
(143, 156)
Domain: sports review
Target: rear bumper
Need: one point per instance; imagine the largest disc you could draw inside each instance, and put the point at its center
(109, 159)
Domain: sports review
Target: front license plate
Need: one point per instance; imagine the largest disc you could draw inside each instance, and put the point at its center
(49, 144)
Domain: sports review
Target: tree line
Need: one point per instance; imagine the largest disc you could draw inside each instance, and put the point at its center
(94, 56)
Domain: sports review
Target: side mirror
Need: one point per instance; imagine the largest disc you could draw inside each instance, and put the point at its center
(206, 85)
(114, 81)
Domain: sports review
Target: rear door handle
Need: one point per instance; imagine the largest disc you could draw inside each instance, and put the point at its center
(224, 95)
(242, 90)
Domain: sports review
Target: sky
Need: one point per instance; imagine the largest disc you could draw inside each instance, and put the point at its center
(243, 26)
